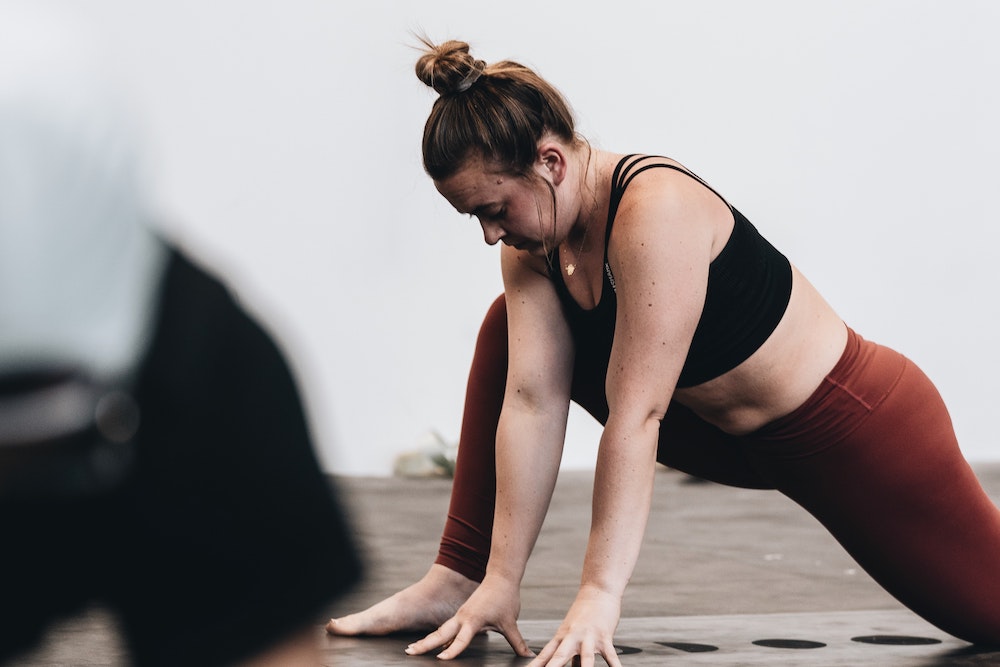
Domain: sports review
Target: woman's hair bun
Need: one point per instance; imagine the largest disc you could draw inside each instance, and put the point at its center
(448, 68)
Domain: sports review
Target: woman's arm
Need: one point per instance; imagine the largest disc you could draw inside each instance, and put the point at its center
(529, 447)
(660, 251)
(532, 426)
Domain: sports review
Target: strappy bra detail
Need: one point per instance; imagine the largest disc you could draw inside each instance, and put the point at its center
(749, 287)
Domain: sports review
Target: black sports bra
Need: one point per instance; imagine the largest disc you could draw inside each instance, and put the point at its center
(749, 286)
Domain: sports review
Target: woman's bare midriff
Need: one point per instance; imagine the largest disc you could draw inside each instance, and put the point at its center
(782, 374)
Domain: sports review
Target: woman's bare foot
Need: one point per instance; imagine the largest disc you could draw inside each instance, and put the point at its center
(423, 606)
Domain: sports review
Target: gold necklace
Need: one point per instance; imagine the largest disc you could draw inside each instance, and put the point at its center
(571, 266)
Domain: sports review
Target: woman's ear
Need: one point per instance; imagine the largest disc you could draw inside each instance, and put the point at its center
(551, 161)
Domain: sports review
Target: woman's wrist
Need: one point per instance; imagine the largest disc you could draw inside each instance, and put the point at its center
(590, 589)
(502, 576)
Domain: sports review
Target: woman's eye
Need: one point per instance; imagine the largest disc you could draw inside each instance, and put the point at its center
(488, 216)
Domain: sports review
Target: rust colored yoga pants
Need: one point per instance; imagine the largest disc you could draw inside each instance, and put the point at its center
(872, 455)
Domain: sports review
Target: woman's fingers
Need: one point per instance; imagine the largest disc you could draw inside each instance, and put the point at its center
(560, 653)
(547, 653)
(456, 636)
(440, 637)
(567, 654)
(459, 643)
(516, 641)
(610, 655)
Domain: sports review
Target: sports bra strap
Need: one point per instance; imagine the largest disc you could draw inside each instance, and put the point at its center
(625, 171)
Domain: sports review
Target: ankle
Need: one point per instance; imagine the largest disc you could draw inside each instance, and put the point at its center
(442, 577)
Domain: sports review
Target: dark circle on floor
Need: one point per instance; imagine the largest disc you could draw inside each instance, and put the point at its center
(895, 640)
(688, 647)
(627, 650)
(620, 650)
(789, 643)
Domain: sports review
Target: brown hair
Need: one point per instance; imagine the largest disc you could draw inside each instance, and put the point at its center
(498, 111)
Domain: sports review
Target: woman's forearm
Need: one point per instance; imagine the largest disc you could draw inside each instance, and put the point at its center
(529, 450)
(623, 489)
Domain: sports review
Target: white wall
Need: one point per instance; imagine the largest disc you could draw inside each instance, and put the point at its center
(860, 136)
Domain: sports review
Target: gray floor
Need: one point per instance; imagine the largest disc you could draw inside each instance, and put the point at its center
(721, 568)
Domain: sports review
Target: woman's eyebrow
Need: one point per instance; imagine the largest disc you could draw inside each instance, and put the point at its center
(484, 208)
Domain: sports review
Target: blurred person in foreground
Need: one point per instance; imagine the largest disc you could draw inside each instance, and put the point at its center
(155, 457)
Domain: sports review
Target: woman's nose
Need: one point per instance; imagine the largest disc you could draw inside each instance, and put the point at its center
(492, 232)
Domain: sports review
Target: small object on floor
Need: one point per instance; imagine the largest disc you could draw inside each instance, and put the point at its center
(433, 457)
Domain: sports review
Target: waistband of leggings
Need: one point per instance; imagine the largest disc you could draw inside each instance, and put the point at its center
(860, 380)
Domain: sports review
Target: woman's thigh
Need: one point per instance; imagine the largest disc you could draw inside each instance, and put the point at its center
(875, 458)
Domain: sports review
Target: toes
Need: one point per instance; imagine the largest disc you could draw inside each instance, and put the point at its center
(339, 626)
(365, 623)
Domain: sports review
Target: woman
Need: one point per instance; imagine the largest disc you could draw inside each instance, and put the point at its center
(633, 288)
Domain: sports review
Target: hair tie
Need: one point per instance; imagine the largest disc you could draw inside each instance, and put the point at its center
(477, 71)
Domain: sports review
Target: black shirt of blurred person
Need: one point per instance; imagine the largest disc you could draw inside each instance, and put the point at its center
(223, 537)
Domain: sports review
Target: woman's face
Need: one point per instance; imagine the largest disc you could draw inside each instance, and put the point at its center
(516, 210)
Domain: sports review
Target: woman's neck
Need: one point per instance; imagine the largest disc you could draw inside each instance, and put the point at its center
(592, 196)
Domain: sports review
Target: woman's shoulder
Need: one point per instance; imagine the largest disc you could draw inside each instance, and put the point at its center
(641, 181)
(658, 193)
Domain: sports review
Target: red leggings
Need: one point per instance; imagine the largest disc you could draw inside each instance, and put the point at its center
(872, 454)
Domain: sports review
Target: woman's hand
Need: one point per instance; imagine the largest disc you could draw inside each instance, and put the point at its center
(494, 606)
(588, 629)
(421, 606)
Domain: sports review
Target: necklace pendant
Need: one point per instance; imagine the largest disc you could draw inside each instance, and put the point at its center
(570, 268)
